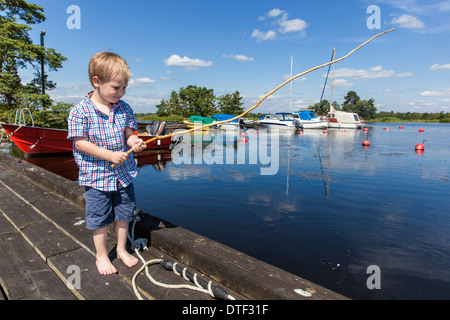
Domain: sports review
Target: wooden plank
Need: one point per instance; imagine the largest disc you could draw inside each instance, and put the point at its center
(93, 286)
(23, 273)
(51, 205)
(41, 234)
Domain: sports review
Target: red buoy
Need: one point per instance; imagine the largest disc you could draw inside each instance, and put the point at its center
(366, 143)
(401, 127)
(243, 134)
(324, 131)
(421, 130)
(244, 140)
(366, 129)
(300, 132)
(420, 146)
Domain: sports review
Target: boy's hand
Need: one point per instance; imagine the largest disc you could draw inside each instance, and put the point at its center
(118, 157)
(138, 145)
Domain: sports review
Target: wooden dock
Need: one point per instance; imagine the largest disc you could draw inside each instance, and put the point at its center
(48, 254)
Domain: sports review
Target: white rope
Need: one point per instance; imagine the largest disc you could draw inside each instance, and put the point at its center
(136, 245)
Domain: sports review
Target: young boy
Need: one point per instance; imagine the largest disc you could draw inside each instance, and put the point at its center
(102, 129)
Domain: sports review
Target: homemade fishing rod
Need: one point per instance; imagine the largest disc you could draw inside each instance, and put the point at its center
(265, 96)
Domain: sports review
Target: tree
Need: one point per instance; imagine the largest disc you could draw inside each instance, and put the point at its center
(17, 51)
(364, 108)
(351, 99)
(230, 103)
(191, 100)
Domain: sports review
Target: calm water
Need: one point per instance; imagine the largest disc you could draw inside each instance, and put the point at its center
(332, 209)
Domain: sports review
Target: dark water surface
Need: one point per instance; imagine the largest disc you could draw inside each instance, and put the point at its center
(332, 208)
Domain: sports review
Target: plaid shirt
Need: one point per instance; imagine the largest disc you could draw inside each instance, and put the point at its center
(108, 132)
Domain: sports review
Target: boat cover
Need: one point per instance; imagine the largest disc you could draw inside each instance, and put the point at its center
(202, 120)
(223, 117)
(306, 115)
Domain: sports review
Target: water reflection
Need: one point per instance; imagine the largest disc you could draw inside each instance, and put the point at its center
(330, 200)
(65, 165)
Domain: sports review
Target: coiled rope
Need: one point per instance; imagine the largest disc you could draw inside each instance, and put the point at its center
(200, 285)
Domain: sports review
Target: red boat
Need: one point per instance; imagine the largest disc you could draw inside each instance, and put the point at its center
(36, 140)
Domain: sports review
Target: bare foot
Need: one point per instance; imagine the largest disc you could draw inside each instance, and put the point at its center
(104, 266)
(127, 259)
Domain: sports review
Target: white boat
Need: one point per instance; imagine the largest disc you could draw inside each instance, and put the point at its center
(344, 120)
(281, 121)
(310, 121)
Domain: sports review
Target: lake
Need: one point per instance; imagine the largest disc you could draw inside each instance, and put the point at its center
(366, 222)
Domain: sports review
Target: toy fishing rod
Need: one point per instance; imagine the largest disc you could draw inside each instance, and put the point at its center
(267, 95)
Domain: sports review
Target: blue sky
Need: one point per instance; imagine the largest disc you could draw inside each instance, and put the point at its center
(246, 46)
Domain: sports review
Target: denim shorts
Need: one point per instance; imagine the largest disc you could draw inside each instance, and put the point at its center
(104, 207)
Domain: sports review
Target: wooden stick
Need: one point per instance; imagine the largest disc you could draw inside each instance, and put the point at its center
(267, 95)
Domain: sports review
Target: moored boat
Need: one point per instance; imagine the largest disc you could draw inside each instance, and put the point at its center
(37, 140)
(281, 121)
(231, 125)
(194, 121)
(310, 121)
(344, 120)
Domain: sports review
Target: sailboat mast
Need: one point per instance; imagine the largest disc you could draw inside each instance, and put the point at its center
(290, 93)
(332, 81)
(325, 85)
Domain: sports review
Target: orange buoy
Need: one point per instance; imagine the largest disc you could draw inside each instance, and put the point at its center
(366, 143)
(421, 130)
(420, 146)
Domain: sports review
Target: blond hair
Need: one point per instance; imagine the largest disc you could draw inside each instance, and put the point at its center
(108, 65)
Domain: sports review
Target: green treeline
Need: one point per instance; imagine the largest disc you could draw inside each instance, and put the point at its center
(199, 101)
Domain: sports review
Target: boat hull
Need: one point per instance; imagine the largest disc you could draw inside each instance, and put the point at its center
(279, 126)
(35, 140)
(314, 124)
(339, 125)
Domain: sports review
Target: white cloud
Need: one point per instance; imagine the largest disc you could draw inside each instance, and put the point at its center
(275, 13)
(405, 75)
(186, 63)
(408, 21)
(428, 93)
(284, 25)
(263, 36)
(145, 80)
(342, 83)
(373, 73)
(294, 25)
(238, 57)
(437, 66)
(272, 14)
